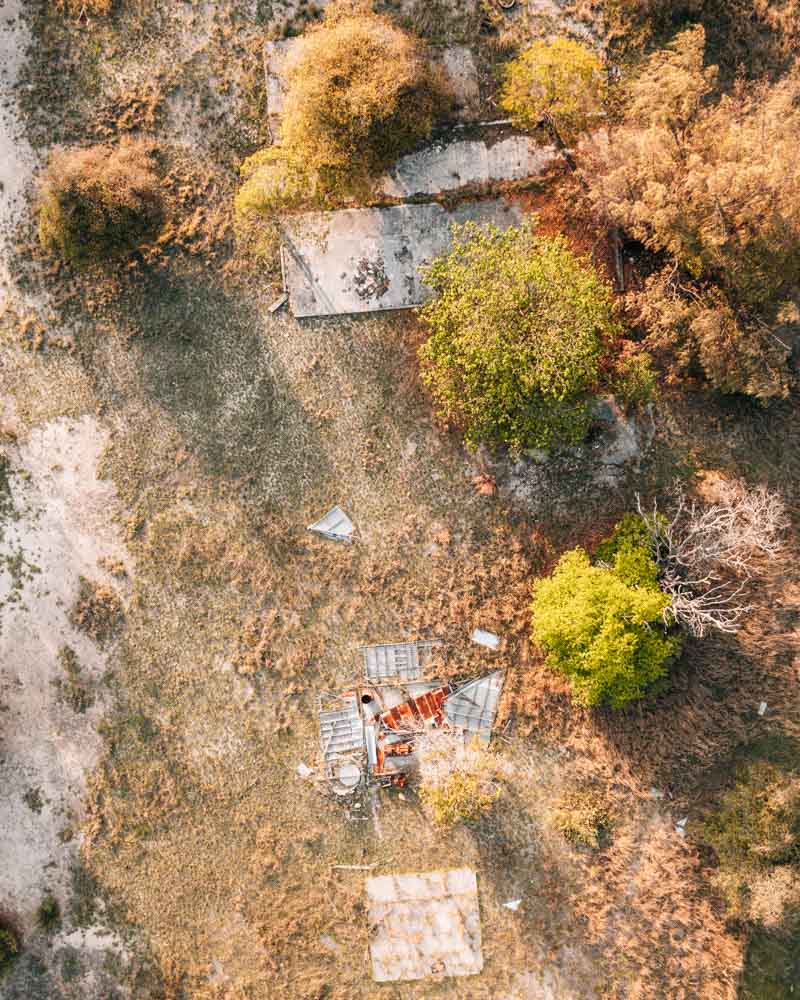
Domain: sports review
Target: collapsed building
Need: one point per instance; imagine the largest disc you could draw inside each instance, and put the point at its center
(370, 732)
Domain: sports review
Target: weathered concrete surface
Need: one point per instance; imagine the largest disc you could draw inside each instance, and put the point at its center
(448, 166)
(17, 159)
(456, 62)
(366, 260)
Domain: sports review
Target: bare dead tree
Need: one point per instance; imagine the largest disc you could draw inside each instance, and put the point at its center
(707, 553)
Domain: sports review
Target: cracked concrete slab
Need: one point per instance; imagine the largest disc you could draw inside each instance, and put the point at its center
(448, 166)
(368, 259)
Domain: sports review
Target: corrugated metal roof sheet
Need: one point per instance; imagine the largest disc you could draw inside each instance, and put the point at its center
(474, 706)
(415, 711)
(341, 728)
(335, 525)
(392, 662)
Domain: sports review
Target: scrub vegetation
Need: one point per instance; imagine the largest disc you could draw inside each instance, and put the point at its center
(640, 794)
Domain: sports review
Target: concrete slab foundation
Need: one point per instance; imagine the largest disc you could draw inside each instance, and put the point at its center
(366, 260)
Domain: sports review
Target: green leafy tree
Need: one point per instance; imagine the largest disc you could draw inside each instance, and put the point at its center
(99, 202)
(559, 84)
(602, 625)
(518, 328)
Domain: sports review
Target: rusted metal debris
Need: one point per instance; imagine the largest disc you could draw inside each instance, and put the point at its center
(370, 732)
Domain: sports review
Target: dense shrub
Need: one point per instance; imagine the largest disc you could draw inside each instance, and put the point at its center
(9, 948)
(756, 837)
(360, 92)
(518, 328)
(559, 84)
(602, 626)
(99, 202)
(581, 816)
(48, 915)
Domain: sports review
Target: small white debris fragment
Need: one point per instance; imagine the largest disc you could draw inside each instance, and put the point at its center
(683, 822)
(304, 770)
(400, 795)
(680, 830)
(512, 904)
(279, 303)
(762, 708)
(656, 794)
(335, 525)
(488, 639)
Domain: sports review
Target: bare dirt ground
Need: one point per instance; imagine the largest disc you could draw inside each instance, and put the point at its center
(163, 418)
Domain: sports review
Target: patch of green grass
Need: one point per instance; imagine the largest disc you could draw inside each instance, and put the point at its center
(71, 687)
(9, 949)
(48, 916)
(772, 966)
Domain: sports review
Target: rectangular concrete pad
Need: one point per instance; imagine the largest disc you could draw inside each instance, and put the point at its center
(424, 925)
(368, 259)
(453, 165)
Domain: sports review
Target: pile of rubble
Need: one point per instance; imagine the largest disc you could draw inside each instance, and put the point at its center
(370, 732)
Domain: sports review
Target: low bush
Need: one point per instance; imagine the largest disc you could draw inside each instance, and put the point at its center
(97, 610)
(99, 202)
(457, 783)
(48, 915)
(9, 948)
(755, 834)
(581, 815)
(360, 93)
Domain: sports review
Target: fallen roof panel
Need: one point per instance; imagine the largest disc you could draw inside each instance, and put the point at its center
(424, 925)
(341, 728)
(335, 525)
(390, 662)
(474, 706)
(368, 259)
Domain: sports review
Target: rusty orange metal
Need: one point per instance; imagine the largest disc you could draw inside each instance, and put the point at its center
(414, 712)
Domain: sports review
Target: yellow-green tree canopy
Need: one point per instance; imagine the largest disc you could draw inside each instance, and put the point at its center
(100, 201)
(518, 328)
(561, 84)
(602, 626)
(360, 92)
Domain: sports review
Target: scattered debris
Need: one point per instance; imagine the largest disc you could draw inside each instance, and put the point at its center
(656, 794)
(424, 925)
(335, 525)
(355, 868)
(304, 770)
(762, 708)
(488, 639)
(513, 904)
(680, 826)
(373, 730)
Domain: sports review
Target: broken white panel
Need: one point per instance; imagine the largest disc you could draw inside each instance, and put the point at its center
(456, 62)
(513, 904)
(304, 770)
(335, 525)
(473, 707)
(341, 728)
(424, 925)
(368, 259)
(484, 638)
(397, 662)
(762, 708)
(448, 166)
